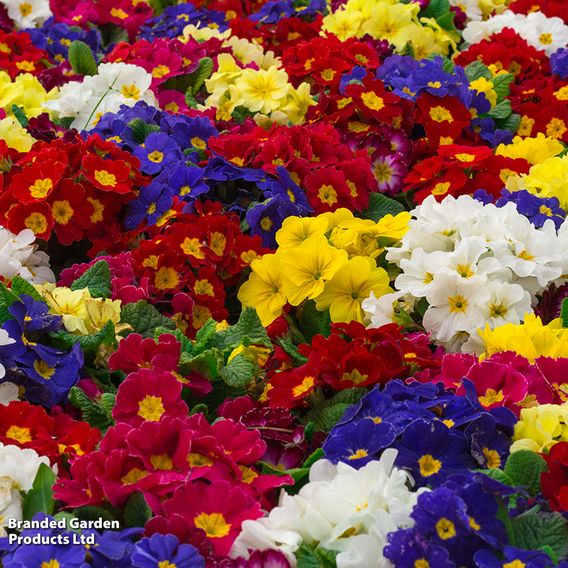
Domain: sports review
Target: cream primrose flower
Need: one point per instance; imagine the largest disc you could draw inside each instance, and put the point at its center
(20, 465)
(19, 257)
(116, 84)
(10, 503)
(337, 508)
(28, 13)
(8, 391)
(514, 260)
(471, 9)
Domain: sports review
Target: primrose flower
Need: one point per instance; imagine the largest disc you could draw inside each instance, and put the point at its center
(28, 13)
(540, 427)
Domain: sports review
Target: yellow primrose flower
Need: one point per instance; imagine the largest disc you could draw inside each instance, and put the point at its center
(226, 75)
(244, 50)
(336, 218)
(548, 179)
(264, 288)
(202, 34)
(307, 267)
(263, 90)
(295, 230)
(71, 305)
(392, 22)
(99, 312)
(530, 339)
(540, 427)
(26, 92)
(298, 102)
(15, 136)
(534, 150)
(344, 24)
(351, 284)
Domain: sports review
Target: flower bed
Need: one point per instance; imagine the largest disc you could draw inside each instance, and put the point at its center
(283, 284)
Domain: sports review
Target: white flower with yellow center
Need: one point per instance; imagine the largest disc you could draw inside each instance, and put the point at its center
(548, 34)
(28, 13)
(456, 304)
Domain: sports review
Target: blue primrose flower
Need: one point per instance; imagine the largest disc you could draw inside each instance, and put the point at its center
(266, 218)
(45, 555)
(165, 550)
(537, 209)
(154, 200)
(559, 63)
(513, 557)
(158, 152)
(406, 549)
(187, 182)
(113, 548)
(358, 443)
(431, 451)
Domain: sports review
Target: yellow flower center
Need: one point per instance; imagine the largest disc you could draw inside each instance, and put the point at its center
(491, 396)
(327, 194)
(214, 524)
(159, 71)
(545, 210)
(62, 211)
(457, 303)
(440, 114)
(218, 243)
(133, 476)
(492, 458)
(26, 10)
(383, 172)
(130, 92)
(105, 178)
(161, 461)
(358, 454)
(204, 288)
(429, 465)
(514, 564)
(151, 408)
(445, 529)
(421, 563)
(118, 13)
(464, 270)
(266, 223)
(43, 369)
(50, 563)
(304, 386)
(198, 143)
(21, 435)
(441, 188)
(37, 222)
(198, 460)
(166, 278)
(473, 524)
(41, 187)
(545, 39)
(156, 156)
(497, 310)
(373, 101)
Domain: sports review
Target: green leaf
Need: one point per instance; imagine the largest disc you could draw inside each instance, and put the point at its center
(291, 349)
(96, 279)
(379, 206)
(501, 110)
(307, 557)
(203, 71)
(477, 70)
(327, 413)
(440, 11)
(92, 413)
(313, 322)
(534, 530)
(20, 115)
(141, 129)
(81, 58)
(248, 327)
(564, 312)
(239, 372)
(207, 363)
(7, 298)
(203, 338)
(89, 343)
(498, 475)
(524, 468)
(511, 123)
(136, 512)
(501, 84)
(39, 498)
(144, 318)
(20, 286)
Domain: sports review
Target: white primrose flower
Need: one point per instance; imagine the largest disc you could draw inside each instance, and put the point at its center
(5, 339)
(456, 304)
(19, 257)
(469, 7)
(8, 391)
(28, 13)
(20, 465)
(341, 508)
(116, 84)
(381, 311)
(10, 503)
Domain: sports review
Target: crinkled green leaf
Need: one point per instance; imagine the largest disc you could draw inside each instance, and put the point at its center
(476, 70)
(308, 557)
(7, 298)
(501, 110)
(524, 468)
(92, 413)
(144, 318)
(39, 498)
(136, 512)
(239, 372)
(203, 72)
(20, 286)
(534, 530)
(96, 279)
(207, 363)
(379, 206)
(327, 413)
(248, 327)
(141, 129)
(313, 322)
(81, 58)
